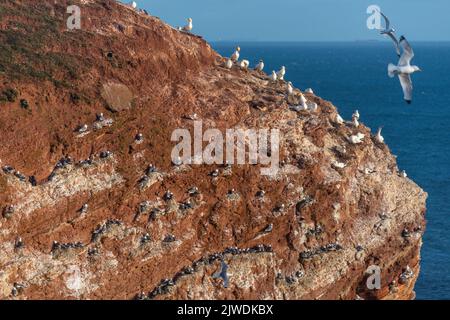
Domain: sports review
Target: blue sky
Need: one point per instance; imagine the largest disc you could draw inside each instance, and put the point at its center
(303, 20)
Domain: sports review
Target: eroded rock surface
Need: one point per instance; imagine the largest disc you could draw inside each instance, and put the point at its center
(95, 222)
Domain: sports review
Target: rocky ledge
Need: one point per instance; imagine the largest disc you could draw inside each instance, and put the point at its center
(92, 206)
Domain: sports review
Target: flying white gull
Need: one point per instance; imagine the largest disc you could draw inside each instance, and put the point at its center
(281, 73)
(390, 32)
(260, 66)
(404, 69)
(235, 56)
(379, 137)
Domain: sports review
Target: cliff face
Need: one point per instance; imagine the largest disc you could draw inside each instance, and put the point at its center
(345, 207)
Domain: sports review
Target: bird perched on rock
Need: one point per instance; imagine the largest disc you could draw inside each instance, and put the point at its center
(83, 128)
(100, 117)
(339, 119)
(403, 174)
(273, 76)
(235, 56)
(260, 66)
(290, 89)
(379, 138)
(356, 139)
(189, 26)
(133, 4)
(244, 64)
(313, 107)
(303, 101)
(309, 90)
(404, 69)
(281, 73)
(229, 64)
(355, 121)
(356, 114)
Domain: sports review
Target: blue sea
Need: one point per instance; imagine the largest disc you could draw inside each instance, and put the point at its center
(354, 76)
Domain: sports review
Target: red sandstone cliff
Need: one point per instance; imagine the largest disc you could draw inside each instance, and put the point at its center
(146, 77)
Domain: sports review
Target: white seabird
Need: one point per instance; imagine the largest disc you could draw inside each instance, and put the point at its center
(309, 90)
(313, 107)
(390, 32)
(379, 138)
(356, 114)
(403, 174)
(189, 26)
(355, 121)
(244, 64)
(236, 54)
(339, 119)
(133, 4)
(273, 76)
(281, 73)
(355, 139)
(298, 108)
(404, 69)
(303, 101)
(290, 89)
(260, 66)
(229, 64)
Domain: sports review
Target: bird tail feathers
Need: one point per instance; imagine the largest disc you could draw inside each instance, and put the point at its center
(391, 70)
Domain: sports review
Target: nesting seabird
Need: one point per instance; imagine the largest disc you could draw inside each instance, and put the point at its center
(133, 4)
(390, 32)
(139, 138)
(83, 128)
(260, 66)
(235, 56)
(356, 139)
(244, 64)
(290, 89)
(273, 76)
(404, 69)
(100, 117)
(379, 137)
(313, 107)
(84, 208)
(281, 73)
(229, 64)
(189, 26)
(355, 121)
(339, 119)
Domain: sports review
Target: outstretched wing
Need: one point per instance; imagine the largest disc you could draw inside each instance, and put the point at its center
(388, 24)
(406, 83)
(408, 52)
(396, 44)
